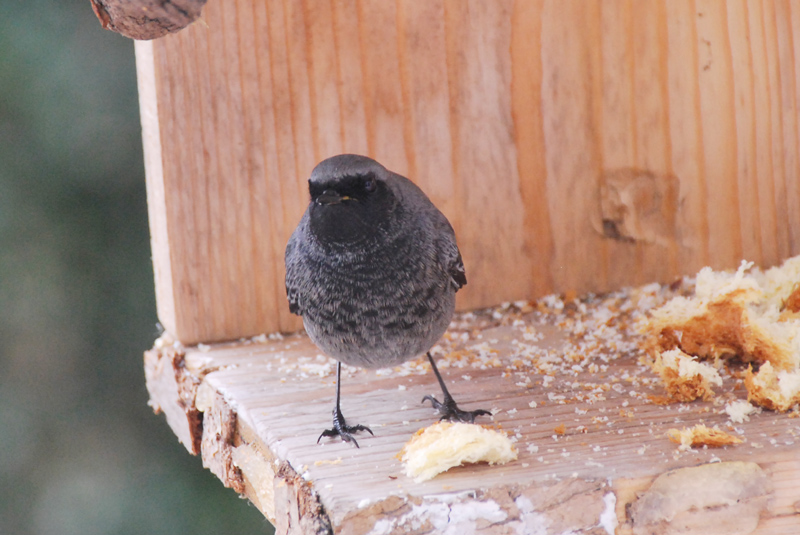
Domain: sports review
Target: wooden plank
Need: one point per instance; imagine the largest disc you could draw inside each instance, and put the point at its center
(562, 379)
(574, 145)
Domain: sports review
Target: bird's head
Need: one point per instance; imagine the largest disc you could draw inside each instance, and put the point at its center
(350, 198)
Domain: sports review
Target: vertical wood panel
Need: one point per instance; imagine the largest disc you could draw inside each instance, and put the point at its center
(575, 145)
(616, 121)
(774, 83)
(299, 90)
(488, 183)
(570, 151)
(787, 61)
(685, 122)
(531, 165)
(423, 54)
(744, 105)
(323, 68)
(653, 153)
(377, 21)
(764, 177)
(236, 159)
(189, 191)
(149, 99)
(350, 77)
(266, 294)
(718, 132)
(286, 192)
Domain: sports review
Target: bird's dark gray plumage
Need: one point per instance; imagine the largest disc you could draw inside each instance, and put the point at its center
(373, 269)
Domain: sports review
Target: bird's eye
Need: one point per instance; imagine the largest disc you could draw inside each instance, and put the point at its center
(369, 184)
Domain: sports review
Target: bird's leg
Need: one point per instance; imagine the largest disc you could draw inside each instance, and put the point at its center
(340, 427)
(448, 408)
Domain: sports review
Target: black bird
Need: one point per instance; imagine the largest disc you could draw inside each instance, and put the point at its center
(373, 268)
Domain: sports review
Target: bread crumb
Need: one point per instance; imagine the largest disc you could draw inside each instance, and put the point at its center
(328, 461)
(443, 445)
(700, 435)
(739, 411)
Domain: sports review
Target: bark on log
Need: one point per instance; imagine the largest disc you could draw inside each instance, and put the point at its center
(146, 19)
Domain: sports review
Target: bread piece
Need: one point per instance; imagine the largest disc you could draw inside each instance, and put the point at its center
(776, 390)
(684, 377)
(700, 435)
(748, 315)
(441, 446)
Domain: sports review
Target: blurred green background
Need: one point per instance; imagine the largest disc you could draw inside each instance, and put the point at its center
(80, 450)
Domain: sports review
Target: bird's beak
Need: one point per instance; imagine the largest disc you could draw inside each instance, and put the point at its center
(330, 196)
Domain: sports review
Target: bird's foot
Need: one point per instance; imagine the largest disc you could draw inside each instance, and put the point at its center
(448, 410)
(342, 430)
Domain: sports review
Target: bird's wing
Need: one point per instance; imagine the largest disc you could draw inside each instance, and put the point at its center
(457, 271)
(449, 255)
(292, 290)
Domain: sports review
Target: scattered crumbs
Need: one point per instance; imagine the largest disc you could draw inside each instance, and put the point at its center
(532, 404)
(561, 430)
(466, 377)
(401, 387)
(203, 347)
(532, 448)
(512, 411)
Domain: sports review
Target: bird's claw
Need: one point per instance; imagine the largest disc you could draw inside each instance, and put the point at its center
(342, 430)
(450, 411)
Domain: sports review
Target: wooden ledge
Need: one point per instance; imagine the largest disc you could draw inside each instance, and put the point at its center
(563, 379)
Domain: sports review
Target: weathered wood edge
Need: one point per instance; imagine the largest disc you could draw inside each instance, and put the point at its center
(228, 448)
(208, 425)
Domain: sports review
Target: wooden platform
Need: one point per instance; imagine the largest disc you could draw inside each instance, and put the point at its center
(561, 377)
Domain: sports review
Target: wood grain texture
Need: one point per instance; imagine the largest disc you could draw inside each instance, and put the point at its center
(574, 145)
